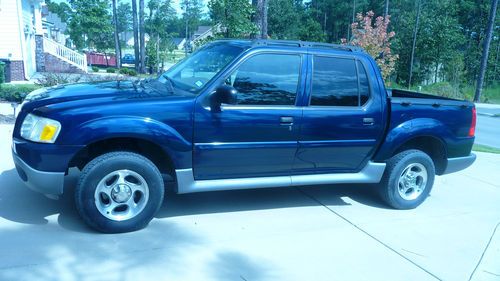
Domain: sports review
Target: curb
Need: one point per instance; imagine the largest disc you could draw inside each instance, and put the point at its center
(488, 114)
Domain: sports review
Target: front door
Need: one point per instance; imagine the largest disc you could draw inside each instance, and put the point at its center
(256, 137)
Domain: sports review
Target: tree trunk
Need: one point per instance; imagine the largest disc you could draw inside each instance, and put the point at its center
(263, 25)
(386, 10)
(496, 61)
(157, 66)
(352, 20)
(142, 38)
(118, 54)
(486, 49)
(257, 18)
(436, 73)
(106, 58)
(415, 30)
(136, 34)
(187, 27)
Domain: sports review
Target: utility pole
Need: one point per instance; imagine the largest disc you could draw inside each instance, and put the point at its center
(415, 30)
(486, 50)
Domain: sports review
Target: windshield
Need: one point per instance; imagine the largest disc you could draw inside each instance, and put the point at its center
(195, 71)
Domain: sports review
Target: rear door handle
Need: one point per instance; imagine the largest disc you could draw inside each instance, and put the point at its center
(286, 120)
(368, 121)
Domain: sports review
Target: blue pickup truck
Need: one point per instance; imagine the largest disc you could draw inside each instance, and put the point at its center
(239, 114)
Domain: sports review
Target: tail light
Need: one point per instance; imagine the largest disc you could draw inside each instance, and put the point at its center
(472, 129)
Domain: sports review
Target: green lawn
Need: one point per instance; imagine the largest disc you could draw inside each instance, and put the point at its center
(490, 94)
(485, 148)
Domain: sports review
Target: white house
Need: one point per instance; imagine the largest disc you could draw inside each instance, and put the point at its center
(20, 22)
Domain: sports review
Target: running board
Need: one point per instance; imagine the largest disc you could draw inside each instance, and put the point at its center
(371, 173)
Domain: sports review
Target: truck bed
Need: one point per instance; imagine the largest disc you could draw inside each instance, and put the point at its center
(397, 93)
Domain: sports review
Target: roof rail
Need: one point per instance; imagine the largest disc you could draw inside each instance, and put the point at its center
(304, 44)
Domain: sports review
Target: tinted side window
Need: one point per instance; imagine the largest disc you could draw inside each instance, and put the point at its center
(334, 82)
(364, 86)
(267, 79)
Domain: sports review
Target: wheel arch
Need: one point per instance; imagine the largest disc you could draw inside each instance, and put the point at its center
(431, 145)
(147, 148)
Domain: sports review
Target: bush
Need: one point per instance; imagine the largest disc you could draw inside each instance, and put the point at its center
(123, 71)
(132, 72)
(127, 71)
(110, 70)
(16, 92)
(2, 72)
(95, 69)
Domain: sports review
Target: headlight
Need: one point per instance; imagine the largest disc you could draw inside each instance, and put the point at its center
(39, 129)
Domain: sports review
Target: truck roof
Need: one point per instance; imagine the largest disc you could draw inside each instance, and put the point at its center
(290, 43)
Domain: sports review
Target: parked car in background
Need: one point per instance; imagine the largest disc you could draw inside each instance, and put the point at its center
(239, 114)
(128, 59)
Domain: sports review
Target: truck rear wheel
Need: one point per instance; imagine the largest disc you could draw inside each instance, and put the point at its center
(119, 192)
(407, 180)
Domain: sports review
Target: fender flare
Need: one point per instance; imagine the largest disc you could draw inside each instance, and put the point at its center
(411, 129)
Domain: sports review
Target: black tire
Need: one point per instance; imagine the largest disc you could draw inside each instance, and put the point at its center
(396, 165)
(101, 167)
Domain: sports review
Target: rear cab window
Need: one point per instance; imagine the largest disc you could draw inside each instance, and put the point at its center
(338, 82)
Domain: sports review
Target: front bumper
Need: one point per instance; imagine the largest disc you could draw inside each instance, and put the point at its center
(50, 183)
(459, 163)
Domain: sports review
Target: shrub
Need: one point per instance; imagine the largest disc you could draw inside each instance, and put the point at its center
(16, 92)
(110, 70)
(95, 69)
(132, 72)
(52, 79)
(2, 72)
(128, 71)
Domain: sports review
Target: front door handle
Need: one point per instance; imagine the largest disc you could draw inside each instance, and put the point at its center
(286, 120)
(368, 121)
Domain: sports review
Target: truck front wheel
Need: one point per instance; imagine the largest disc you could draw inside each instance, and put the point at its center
(119, 192)
(407, 180)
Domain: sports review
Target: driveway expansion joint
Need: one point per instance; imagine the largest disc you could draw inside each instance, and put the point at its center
(369, 235)
(484, 251)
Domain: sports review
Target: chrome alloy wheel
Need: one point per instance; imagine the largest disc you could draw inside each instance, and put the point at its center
(121, 195)
(412, 181)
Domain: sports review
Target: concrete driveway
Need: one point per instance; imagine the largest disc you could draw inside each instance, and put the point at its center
(308, 233)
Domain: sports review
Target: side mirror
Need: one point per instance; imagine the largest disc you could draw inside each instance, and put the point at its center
(223, 94)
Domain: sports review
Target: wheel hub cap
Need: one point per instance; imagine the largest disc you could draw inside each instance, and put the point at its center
(121, 193)
(412, 181)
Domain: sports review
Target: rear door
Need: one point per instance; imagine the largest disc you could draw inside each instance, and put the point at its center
(342, 118)
(256, 137)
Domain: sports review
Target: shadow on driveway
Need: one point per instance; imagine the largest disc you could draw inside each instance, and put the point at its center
(19, 204)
